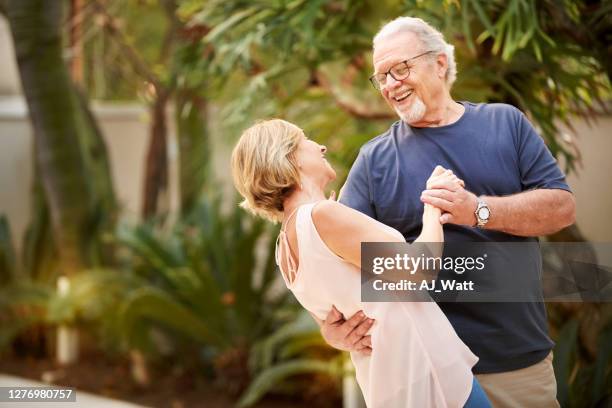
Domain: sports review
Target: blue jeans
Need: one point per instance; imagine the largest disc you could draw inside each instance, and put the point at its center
(477, 398)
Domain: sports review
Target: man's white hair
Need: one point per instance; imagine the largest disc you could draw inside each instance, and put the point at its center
(432, 40)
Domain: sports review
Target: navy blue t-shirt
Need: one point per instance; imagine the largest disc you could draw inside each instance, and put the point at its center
(496, 151)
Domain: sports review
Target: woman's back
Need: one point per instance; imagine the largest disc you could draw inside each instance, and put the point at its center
(417, 359)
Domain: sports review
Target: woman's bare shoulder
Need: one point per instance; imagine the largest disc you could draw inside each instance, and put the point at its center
(335, 213)
(335, 220)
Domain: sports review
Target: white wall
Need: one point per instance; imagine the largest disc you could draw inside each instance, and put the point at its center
(15, 165)
(126, 132)
(125, 129)
(9, 79)
(592, 186)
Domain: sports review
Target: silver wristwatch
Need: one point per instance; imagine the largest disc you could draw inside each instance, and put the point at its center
(483, 213)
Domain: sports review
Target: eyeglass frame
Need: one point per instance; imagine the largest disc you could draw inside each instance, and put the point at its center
(376, 84)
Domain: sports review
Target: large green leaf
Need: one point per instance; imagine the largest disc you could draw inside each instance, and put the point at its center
(564, 360)
(602, 371)
(156, 306)
(270, 377)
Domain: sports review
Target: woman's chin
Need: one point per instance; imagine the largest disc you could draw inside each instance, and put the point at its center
(332, 174)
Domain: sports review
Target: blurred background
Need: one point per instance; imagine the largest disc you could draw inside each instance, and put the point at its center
(126, 268)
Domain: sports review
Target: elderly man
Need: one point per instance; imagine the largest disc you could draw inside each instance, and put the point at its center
(514, 191)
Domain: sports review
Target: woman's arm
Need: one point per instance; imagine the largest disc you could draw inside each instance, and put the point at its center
(343, 230)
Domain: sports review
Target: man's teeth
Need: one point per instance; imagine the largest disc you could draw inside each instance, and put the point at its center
(403, 96)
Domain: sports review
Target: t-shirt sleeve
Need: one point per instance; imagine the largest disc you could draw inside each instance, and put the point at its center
(357, 191)
(538, 167)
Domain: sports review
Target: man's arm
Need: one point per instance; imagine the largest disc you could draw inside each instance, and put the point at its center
(529, 213)
(346, 335)
(532, 213)
(340, 333)
(543, 207)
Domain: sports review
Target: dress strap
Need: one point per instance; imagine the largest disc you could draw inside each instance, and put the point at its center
(289, 217)
(286, 251)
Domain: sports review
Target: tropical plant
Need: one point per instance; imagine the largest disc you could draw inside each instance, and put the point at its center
(201, 281)
(90, 302)
(582, 354)
(582, 331)
(279, 57)
(295, 349)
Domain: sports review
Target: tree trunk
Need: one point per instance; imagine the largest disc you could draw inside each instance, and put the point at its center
(156, 171)
(62, 130)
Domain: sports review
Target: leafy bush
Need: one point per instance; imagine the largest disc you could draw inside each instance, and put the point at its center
(295, 349)
(208, 281)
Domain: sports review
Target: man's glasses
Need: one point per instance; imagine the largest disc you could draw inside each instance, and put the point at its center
(399, 72)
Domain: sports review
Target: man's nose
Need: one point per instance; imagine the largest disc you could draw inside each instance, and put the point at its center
(391, 82)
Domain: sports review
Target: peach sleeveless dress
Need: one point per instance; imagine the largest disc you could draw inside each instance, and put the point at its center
(418, 361)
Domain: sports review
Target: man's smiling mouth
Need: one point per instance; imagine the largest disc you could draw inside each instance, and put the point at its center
(403, 96)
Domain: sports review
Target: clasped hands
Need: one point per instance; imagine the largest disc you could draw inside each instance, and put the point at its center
(445, 191)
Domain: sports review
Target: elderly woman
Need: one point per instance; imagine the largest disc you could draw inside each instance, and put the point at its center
(417, 359)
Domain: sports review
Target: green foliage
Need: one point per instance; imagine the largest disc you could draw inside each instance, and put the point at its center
(275, 55)
(201, 279)
(583, 381)
(108, 65)
(90, 300)
(296, 348)
(153, 304)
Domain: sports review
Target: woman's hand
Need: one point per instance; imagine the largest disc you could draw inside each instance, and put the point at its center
(443, 178)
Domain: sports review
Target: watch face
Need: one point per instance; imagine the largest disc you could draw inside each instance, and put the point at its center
(483, 213)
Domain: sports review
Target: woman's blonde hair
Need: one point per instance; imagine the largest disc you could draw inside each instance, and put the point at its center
(264, 166)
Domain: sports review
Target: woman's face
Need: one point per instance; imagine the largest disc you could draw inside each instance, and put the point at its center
(313, 164)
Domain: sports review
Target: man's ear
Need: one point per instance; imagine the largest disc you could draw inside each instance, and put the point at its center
(441, 65)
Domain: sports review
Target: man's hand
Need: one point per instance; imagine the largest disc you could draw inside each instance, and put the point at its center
(446, 191)
(348, 335)
(457, 204)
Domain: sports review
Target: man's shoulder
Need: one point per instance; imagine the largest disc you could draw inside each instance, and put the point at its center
(494, 109)
(378, 143)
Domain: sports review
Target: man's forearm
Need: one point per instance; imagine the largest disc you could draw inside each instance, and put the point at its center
(532, 213)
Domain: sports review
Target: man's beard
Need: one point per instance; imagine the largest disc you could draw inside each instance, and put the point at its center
(415, 113)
